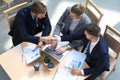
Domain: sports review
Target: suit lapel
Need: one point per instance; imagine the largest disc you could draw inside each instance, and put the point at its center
(94, 49)
(67, 26)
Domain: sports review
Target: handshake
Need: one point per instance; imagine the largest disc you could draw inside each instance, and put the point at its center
(54, 42)
(48, 39)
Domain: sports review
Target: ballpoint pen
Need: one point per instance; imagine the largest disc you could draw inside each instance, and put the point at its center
(34, 49)
(22, 57)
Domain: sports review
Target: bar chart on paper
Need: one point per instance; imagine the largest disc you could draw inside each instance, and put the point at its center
(76, 60)
(31, 53)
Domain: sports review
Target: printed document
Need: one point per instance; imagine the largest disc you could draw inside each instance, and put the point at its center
(62, 74)
(31, 53)
(76, 59)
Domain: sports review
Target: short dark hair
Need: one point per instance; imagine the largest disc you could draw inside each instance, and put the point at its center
(38, 7)
(77, 9)
(93, 29)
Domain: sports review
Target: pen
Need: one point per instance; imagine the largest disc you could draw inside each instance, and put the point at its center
(34, 49)
(22, 57)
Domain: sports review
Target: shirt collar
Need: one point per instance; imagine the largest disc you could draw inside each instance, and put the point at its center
(32, 16)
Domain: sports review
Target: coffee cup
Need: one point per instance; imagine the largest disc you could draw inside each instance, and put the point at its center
(36, 65)
(50, 66)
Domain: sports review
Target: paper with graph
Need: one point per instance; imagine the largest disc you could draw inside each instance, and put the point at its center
(31, 53)
(76, 59)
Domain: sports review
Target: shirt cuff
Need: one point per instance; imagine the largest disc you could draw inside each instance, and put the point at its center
(68, 46)
(58, 38)
(82, 72)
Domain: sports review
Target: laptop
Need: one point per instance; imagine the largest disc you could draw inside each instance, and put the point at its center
(58, 57)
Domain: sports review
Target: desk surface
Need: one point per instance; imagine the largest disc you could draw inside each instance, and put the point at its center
(16, 67)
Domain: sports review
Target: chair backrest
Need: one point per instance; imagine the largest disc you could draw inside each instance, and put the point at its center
(7, 1)
(11, 12)
(112, 37)
(92, 10)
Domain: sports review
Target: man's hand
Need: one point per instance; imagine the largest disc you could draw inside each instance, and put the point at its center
(76, 71)
(48, 39)
(61, 50)
(40, 44)
(52, 38)
(54, 44)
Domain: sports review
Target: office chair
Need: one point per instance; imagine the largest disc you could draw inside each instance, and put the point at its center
(112, 37)
(92, 10)
(11, 13)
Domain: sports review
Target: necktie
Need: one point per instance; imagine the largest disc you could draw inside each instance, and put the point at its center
(36, 21)
(88, 52)
(87, 49)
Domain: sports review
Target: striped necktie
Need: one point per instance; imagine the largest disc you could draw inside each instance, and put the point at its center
(36, 21)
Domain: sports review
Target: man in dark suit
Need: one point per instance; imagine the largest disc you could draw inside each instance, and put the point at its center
(96, 51)
(30, 21)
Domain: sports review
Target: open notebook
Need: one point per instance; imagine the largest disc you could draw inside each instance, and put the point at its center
(31, 53)
(59, 57)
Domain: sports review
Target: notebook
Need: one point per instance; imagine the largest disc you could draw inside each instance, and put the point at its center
(3, 74)
(31, 54)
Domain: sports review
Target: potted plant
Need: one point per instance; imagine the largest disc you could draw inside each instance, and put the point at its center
(46, 59)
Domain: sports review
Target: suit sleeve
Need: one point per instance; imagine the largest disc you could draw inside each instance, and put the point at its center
(80, 34)
(21, 28)
(98, 65)
(46, 25)
(60, 23)
(71, 37)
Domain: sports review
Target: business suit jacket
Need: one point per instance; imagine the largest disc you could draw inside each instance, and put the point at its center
(24, 27)
(98, 60)
(64, 23)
